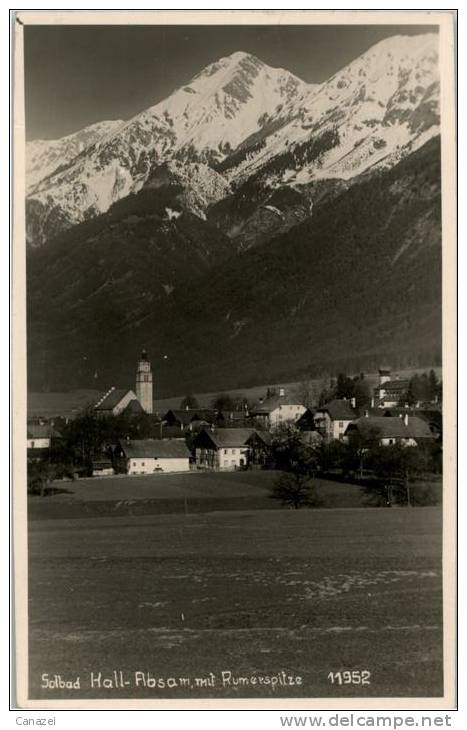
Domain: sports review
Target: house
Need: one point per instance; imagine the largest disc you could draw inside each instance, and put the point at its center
(260, 450)
(222, 448)
(39, 439)
(232, 418)
(148, 456)
(306, 421)
(277, 409)
(392, 430)
(389, 392)
(189, 419)
(332, 419)
(102, 468)
(117, 401)
(433, 417)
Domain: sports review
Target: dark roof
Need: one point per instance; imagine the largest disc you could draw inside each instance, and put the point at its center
(270, 404)
(306, 419)
(155, 449)
(134, 406)
(227, 437)
(111, 399)
(187, 415)
(394, 386)
(38, 431)
(394, 426)
(41, 431)
(264, 436)
(101, 464)
(232, 415)
(339, 410)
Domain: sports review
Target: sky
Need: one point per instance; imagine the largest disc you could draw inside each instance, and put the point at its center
(78, 75)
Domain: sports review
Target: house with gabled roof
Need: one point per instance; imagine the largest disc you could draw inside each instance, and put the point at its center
(390, 391)
(149, 456)
(189, 419)
(39, 439)
(332, 419)
(222, 448)
(403, 430)
(277, 409)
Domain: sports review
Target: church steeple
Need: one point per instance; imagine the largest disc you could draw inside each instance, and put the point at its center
(144, 382)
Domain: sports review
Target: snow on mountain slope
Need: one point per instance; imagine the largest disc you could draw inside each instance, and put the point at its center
(239, 117)
(379, 108)
(200, 122)
(43, 156)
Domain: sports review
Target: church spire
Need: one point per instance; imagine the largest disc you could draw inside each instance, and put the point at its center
(144, 382)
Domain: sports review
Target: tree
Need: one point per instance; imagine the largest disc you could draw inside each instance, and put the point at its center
(223, 402)
(294, 490)
(397, 466)
(344, 387)
(189, 401)
(361, 392)
(360, 441)
(41, 474)
(290, 453)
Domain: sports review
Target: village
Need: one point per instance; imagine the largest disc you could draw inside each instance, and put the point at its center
(354, 430)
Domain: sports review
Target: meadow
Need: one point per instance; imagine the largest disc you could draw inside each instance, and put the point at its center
(263, 593)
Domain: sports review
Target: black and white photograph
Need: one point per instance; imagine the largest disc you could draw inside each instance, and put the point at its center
(236, 257)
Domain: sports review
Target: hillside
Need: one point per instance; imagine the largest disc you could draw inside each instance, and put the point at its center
(92, 289)
(357, 282)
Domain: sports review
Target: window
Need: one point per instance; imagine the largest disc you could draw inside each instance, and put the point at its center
(226, 451)
(233, 451)
(341, 424)
(134, 463)
(142, 463)
(32, 444)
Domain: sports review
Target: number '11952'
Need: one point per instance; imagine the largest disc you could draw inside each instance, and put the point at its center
(356, 676)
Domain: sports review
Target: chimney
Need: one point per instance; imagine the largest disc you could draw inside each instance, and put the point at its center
(260, 400)
(406, 419)
(353, 402)
(281, 392)
(373, 402)
(366, 414)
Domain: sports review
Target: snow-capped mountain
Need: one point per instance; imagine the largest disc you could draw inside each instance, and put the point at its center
(201, 122)
(376, 110)
(43, 156)
(240, 117)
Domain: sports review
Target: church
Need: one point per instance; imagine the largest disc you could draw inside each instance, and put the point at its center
(120, 400)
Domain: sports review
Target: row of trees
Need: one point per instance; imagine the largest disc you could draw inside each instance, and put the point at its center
(424, 387)
(386, 472)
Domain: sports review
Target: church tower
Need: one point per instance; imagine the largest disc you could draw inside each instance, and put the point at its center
(144, 382)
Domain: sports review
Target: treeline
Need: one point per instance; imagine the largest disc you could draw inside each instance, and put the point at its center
(402, 475)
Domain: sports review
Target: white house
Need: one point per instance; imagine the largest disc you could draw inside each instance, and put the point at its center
(150, 456)
(39, 437)
(403, 430)
(389, 392)
(223, 448)
(332, 419)
(277, 409)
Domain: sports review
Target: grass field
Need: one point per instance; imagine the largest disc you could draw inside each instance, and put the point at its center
(188, 492)
(253, 593)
